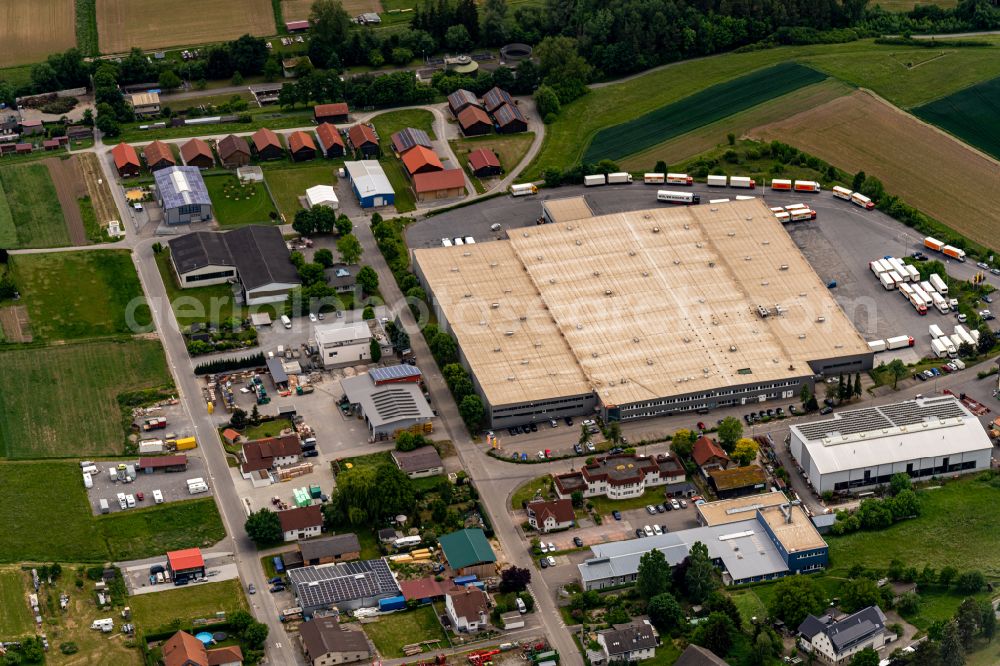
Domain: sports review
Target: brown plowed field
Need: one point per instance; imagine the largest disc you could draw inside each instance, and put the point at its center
(100, 193)
(926, 168)
(32, 29)
(151, 24)
(69, 188)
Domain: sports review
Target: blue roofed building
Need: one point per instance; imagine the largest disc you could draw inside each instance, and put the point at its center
(370, 184)
(182, 195)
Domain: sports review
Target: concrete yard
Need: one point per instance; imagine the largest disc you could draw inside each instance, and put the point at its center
(173, 485)
(218, 567)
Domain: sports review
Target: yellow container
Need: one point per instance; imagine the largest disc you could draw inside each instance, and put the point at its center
(186, 443)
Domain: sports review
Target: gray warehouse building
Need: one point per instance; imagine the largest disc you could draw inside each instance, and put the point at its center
(638, 314)
(182, 194)
(344, 585)
(857, 450)
(387, 408)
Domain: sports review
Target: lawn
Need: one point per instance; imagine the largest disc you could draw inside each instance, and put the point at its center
(190, 602)
(214, 303)
(62, 402)
(528, 490)
(958, 527)
(749, 605)
(73, 295)
(267, 429)
(394, 631)
(289, 183)
(881, 68)
(509, 148)
(970, 115)
(31, 216)
(387, 124)
(43, 530)
(15, 616)
(604, 506)
(701, 108)
(235, 204)
(404, 200)
(267, 117)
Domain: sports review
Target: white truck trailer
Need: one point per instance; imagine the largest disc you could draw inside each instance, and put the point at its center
(654, 178)
(806, 186)
(841, 192)
(594, 180)
(935, 331)
(939, 285)
(939, 347)
(781, 184)
(940, 304)
(742, 181)
(859, 199)
(961, 332)
(686, 198)
(914, 273)
(927, 287)
(619, 178)
(886, 279)
(802, 215)
(523, 190)
(679, 179)
(877, 346)
(717, 181)
(899, 342)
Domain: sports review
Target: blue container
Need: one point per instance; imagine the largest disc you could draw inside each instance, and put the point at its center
(392, 603)
(465, 580)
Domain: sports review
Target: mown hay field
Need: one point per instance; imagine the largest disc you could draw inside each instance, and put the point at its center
(973, 115)
(699, 109)
(925, 167)
(32, 29)
(61, 401)
(30, 214)
(702, 139)
(150, 24)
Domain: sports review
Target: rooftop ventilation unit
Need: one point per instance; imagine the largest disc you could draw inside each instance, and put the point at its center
(454, 269)
(767, 242)
(496, 350)
(607, 292)
(732, 348)
(820, 319)
(493, 264)
(508, 333)
(578, 241)
(495, 306)
(656, 230)
(783, 267)
(731, 234)
(466, 254)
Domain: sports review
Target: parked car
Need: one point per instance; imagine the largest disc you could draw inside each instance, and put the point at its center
(277, 580)
(639, 533)
(543, 562)
(829, 402)
(310, 454)
(568, 420)
(927, 374)
(312, 317)
(551, 560)
(920, 376)
(934, 371)
(553, 423)
(983, 264)
(656, 530)
(543, 547)
(675, 504)
(650, 509)
(139, 496)
(616, 514)
(660, 508)
(826, 410)
(648, 530)
(578, 542)
(590, 447)
(684, 503)
(251, 589)
(533, 427)
(577, 449)
(945, 369)
(277, 588)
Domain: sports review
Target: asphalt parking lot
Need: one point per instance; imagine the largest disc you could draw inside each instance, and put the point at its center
(173, 485)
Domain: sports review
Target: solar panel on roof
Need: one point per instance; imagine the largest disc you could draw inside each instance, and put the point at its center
(393, 372)
(872, 419)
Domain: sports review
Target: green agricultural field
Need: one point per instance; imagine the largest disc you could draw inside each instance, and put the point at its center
(289, 183)
(234, 204)
(34, 494)
(971, 115)
(15, 616)
(905, 76)
(703, 107)
(187, 603)
(71, 295)
(958, 527)
(62, 401)
(387, 124)
(394, 631)
(31, 216)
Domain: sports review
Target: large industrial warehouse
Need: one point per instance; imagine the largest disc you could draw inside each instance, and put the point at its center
(855, 451)
(639, 314)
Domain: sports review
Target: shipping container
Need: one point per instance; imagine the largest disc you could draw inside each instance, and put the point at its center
(157, 497)
(877, 345)
(523, 190)
(742, 181)
(686, 198)
(939, 285)
(933, 244)
(841, 192)
(595, 179)
(861, 200)
(619, 178)
(716, 181)
(895, 277)
(150, 446)
(185, 443)
(781, 184)
(130, 501)
(914, 273)
(679, 179)
(899, 341)
(392, 604)
(654, 178)
(964, 334)
(956, 340)
(928, 288)
(90, 469)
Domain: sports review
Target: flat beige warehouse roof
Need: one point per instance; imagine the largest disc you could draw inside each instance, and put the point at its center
(739, 508)
(646, 304)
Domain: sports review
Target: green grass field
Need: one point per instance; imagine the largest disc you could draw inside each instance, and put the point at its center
(287, 184)
(62, 401)
(45, 509)
(387, 124)
(15, 616)
(71, 295)
(190, 602)
(32, 208)
(888, 70)
(404, 200)
(969, 114)
(700, 109)
(958, 527)
(234, 204)
(394, 631)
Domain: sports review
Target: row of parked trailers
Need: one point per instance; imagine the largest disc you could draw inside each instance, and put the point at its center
(947, 345)
(793, 213)
(947, 250)
(922, 295)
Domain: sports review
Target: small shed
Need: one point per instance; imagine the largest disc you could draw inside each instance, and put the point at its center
(158, 156)
(330, 141)
(510, 120)
(460, 100)
(233, 151)
(322, 195)
(331, 113)
(364, 140)
(474, 121)
(197, 153)
(266, 145)
(484, 163)
(301, 146)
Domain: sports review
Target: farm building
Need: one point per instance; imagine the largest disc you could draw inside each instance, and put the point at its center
(126, 160)
(145, 104)
(326, 642)
(421, 160)
(408, 138)
(50, 144)
(233, 151)
(346, 585)
(330, 113)
(737, 481)
(370, 183)
(330, 140)
(419, 463)
(24, 148)
(267, 145)
(781, 537)
(176, 463)
(495, 98)
(474, 122)
(322, 195)
(336, 548)
(32, 127)
(301, 146)
(296, 26)
(423, 590)
(183, 649)
(186, 564)
(445, 184)
(564, 362)
(158, 156)
(197, 153)
(484, 163)
(182, 194)
(255, 256)
(387, 409)
(364, 141)
(468, 552)
(510, 120)
(460, 100)
(859, 449)
(301, 522)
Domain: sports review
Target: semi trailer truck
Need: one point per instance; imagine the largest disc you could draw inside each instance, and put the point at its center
(668, 196)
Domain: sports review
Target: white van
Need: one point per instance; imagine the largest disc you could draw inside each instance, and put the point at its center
(285, 321)
(122, 501)
(521, 608)
(157, 497)
(130, 501)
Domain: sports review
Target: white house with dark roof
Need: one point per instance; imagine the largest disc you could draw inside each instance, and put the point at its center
(468, 608)
(628, 642)
(836, 642)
